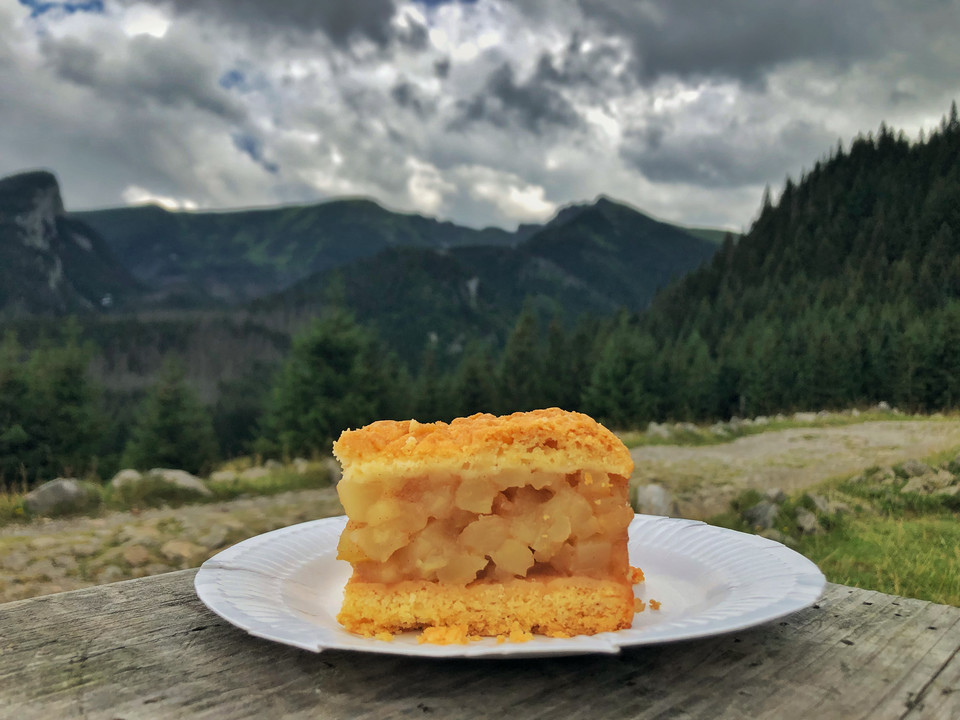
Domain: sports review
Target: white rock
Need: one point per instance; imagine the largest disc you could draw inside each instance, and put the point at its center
(776, 495)
(301, 465)
(180, 478)
(255, 473)
(125, 477)
(657, 430)
(807, 522)
(223, 476)
(62, 495)
(762, 515)
(654, 499)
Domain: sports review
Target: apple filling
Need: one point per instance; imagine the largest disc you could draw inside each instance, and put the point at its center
(457, 530)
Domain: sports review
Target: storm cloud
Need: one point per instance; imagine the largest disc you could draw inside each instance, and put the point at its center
(485, 112)
(339, 21)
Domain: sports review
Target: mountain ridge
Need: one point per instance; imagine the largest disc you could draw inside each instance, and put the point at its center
(49, 262)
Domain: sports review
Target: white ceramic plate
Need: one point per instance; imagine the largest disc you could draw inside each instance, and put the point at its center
(287, 586)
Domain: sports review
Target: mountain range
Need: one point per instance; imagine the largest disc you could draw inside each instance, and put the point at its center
(51, 263)
(593, 257)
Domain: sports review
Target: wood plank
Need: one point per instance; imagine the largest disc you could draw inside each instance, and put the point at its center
(937, 699)
(149, 649)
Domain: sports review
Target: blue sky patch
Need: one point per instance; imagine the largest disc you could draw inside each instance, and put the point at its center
(40, 7)
(234, 79)
(250, 146)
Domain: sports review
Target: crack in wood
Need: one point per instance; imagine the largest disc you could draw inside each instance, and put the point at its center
(916, 701)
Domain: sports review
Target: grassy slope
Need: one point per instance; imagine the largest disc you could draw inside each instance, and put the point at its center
(900, 543)
(711, 235)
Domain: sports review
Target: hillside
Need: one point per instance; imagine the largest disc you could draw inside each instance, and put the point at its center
(233, 256)
(591, 259)
(620, 252)
(50, 263)
(846, 290)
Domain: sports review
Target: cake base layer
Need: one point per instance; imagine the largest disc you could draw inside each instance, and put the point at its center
(556, 606)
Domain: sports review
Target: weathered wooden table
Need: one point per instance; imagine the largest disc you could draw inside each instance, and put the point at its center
(149, 649)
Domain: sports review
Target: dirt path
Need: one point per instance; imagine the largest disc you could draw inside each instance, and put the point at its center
(703, 479)
(48, 556)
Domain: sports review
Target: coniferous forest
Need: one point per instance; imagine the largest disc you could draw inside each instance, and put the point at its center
(845, 291)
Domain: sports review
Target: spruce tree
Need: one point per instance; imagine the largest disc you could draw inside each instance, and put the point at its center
(337, 377)
(173, 429)
(521, 375)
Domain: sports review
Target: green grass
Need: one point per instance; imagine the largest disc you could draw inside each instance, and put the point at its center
(151, 493)
(900, 543)
(704, 436)
(917, 557)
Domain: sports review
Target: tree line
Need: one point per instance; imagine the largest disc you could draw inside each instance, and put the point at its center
(845, 291)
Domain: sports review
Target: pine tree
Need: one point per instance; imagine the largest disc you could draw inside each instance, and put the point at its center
(64, 404)
(336, 377)
(14, 438)
(173, 429)
(521, 375)
(474, 387)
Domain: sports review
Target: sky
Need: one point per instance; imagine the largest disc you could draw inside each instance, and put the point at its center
(485, 112)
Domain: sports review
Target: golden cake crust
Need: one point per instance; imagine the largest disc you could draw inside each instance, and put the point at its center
(550, 439)
(567, 606)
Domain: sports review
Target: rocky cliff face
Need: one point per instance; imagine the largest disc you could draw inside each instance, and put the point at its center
(50, 264)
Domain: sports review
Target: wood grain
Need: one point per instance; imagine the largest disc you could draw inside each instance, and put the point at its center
(149, 649)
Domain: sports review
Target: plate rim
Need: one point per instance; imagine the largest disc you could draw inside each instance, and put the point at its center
(809, 583)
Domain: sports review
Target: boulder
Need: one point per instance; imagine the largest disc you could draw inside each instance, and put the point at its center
(654, 499)
(762, 515)
(657, 430)
(167, 476)
(60, 495)
(273, 465)
(915, 485)
(930, 484)
(126, 476)
(883, 476)
(223, 476)
(807, 522)
(255, 473)
(776, 496)
(820, 502)
(720, 429)
(761, 420)
(914, 468)
(179, 478)
(777, 536)
(804, 417)
(301, 465)
(883, 406)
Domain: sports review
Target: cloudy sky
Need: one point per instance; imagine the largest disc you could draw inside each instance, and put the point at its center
(482, 111)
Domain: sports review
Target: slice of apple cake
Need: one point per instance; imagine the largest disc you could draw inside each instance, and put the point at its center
(492, 524)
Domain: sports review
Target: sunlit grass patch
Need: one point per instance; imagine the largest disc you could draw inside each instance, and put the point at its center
(917, 557)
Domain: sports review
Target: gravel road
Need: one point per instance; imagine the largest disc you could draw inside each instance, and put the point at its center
(703, 479)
